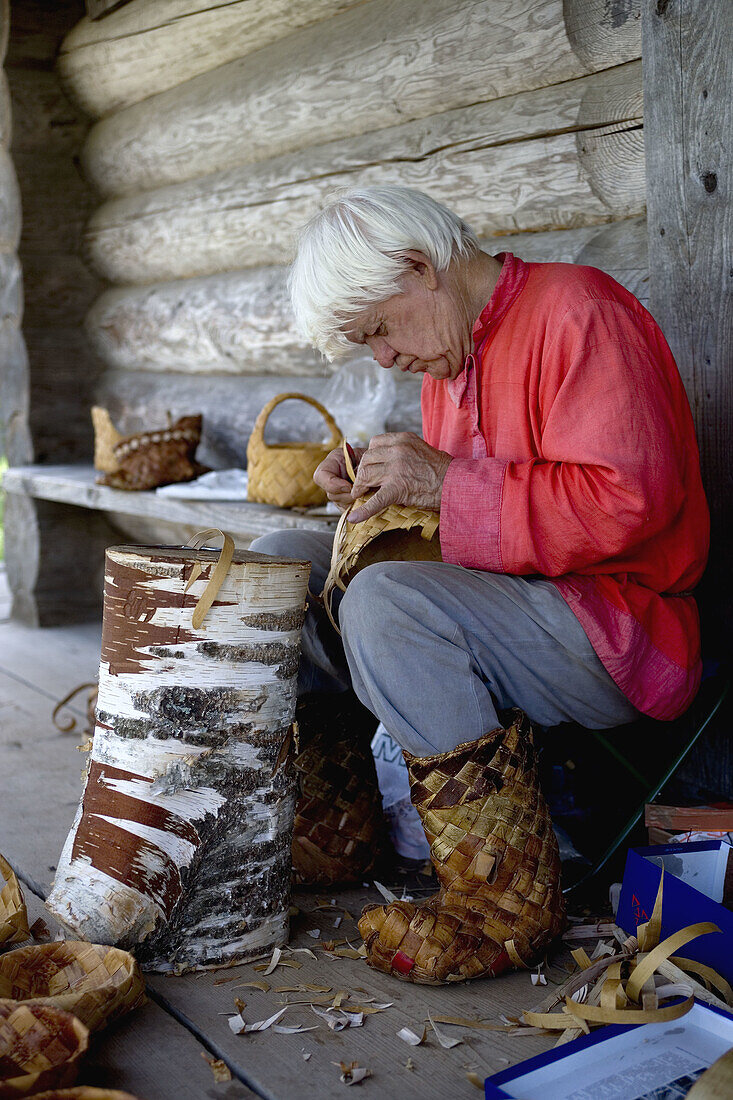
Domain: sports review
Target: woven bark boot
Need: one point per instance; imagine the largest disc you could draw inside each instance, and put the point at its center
(339, 824)
(496, 858)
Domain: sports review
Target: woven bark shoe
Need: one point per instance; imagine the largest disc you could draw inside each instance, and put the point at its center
(496, 858)
(339, 824)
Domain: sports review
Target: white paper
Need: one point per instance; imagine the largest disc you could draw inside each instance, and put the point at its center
(651, 1062)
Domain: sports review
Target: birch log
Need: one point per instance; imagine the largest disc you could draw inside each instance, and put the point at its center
(558, 158)
(241, 323)
(369, 68)
(181, 844)
(152, 45)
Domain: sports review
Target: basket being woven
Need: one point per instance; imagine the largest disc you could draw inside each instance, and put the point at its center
(282, 473)
(40, 1048)
(95, 982)
(13, 914)
(399, 533)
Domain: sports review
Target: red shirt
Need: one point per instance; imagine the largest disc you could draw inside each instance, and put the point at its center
(576, 459)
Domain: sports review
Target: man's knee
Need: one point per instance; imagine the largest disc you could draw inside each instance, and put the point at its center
(279, 544)
(376, 598)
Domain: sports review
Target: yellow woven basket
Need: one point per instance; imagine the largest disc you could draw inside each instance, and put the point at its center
(40, 1048)
(13, 914)
(282, 473)
(399, 533)
(95, 982)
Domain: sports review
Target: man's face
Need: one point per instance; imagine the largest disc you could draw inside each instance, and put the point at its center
(425, 329)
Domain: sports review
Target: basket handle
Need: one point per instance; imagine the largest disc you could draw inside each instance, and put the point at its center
(258, 432)
(216, 579)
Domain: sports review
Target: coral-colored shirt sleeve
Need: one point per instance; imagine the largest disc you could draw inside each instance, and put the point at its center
(607, 477)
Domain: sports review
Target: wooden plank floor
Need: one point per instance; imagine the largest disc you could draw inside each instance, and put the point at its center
(154, 1054)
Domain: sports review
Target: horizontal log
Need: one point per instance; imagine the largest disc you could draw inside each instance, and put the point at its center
(230, 407)
(145, 48)
(556, 158)
(328, 82)
(240, 322)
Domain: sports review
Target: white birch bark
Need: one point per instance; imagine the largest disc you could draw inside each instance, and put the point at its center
(181, 844)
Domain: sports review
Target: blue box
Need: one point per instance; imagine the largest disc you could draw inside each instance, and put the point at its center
(693, 890)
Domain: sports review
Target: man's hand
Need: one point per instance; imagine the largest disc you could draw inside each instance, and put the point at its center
(403, 469)
(333, 478)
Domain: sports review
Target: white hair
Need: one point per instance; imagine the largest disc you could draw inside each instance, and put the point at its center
(351, 256)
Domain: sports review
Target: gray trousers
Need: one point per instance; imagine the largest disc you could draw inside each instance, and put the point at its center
(435, 650)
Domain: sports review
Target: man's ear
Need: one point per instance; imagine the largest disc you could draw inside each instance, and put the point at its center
(422, 267)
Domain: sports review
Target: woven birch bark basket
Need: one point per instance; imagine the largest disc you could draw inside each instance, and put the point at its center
(180, 849)
(399, 533)
(282, 473)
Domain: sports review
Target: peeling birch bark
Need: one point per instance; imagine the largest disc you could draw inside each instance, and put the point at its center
(180, 848)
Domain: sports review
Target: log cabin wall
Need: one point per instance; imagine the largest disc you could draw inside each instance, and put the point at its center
(169, 159)
(221, 129)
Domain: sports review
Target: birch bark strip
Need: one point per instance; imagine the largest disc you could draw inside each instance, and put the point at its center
(181, 844)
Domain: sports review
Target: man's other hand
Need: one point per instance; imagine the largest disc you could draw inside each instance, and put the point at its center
(333, 477)
(403, 469)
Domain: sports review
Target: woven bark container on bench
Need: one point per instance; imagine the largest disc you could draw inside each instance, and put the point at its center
(282, 473)
(180, 849)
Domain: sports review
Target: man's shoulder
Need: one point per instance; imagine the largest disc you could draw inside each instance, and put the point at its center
(559, 288)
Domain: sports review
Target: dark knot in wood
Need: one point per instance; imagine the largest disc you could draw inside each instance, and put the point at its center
(709, 181)
(662, 6)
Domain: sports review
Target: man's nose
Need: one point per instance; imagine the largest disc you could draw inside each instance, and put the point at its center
(381, 351)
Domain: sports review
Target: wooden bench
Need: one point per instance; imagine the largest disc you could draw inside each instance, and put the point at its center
(57, 577)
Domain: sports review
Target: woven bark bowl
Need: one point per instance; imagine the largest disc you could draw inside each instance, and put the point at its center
(95, 982)
(84, 1092)
(40, 1048)
(13, 914)
(399, 533)
(282, 473)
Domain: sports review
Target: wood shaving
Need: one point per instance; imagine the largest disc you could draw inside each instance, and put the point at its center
(409, 1036)
(352, 1073)
(346, 953)
(240, 1026)
(263, 986)
(475, 1080)
(468, 1021)
(337, 1019)
(219, 1069)
(409, 1064)
(445, 1041)
(385, 891)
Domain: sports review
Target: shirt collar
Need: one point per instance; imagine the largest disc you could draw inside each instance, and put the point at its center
(512, 277)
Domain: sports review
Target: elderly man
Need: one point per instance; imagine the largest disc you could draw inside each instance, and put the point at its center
(560, 451)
